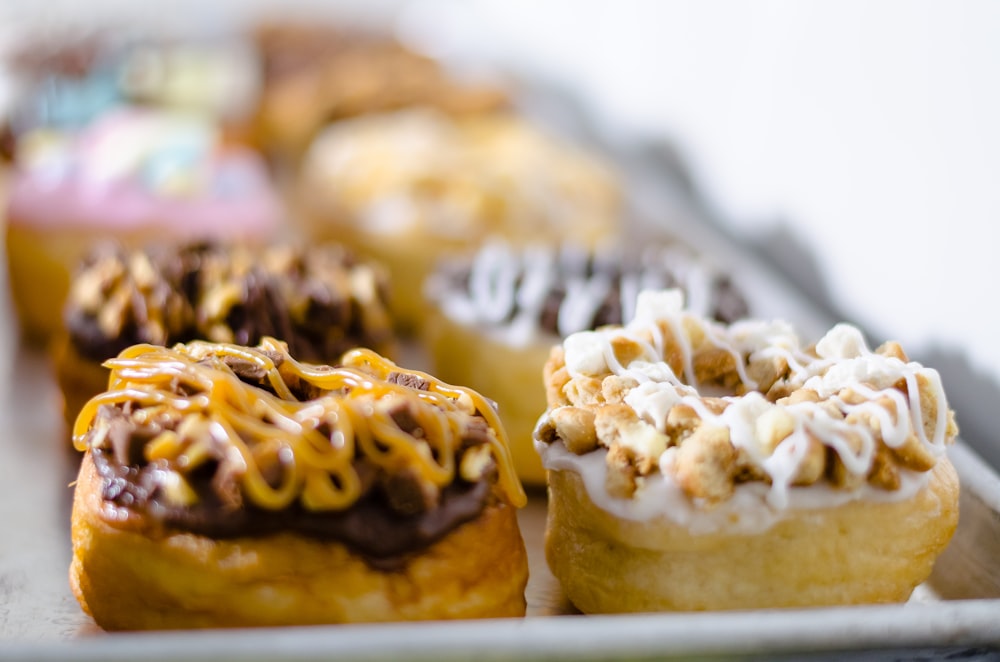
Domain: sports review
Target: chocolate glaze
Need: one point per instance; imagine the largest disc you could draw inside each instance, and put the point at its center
(369, 527)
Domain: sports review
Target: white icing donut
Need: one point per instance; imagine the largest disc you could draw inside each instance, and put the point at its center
(695, 466)
(849, 400)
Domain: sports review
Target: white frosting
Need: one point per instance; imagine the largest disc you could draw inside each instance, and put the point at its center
(843, 362)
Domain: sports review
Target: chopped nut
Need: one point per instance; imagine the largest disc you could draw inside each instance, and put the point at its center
(799, 395)
(772, 427)
(475, 463)
(883, 472)
(575, 426)
(929, 410)
(706, 463)
(838, 472)
(892, 349)
(176, 490)
(615, 388)
(767, 372)
(912, 454)
(620, 481)
(813, 464)
(851, 397)
(716, 365)
(142, 271)
(619, 424)
(554, 385)
(584, 391)
(626, 350)
(746, 469)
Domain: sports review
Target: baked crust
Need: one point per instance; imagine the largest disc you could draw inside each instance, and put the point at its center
(858, 553)
(128, 576)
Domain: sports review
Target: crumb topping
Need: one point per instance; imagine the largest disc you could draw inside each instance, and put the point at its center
(713, 406)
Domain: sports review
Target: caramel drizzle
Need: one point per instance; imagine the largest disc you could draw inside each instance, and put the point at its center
(252, 422)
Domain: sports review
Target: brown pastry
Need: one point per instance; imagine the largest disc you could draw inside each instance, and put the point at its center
(233, 486)
(317, 74)
(696, 466)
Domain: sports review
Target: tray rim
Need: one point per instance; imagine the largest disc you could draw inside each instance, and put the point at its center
(964, 623)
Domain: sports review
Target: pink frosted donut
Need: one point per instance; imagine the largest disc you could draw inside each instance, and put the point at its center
(140, 176)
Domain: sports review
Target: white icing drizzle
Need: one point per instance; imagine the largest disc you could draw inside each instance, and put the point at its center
(843, 363)
(508, 286)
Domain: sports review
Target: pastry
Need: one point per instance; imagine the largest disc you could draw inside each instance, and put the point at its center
(136, 175)
(227, 486)
(495, 316)
(321, 301)
(61, 80)
(218, 79)
(65, 80)
(316, 74)
(414, 186)
(698, 466)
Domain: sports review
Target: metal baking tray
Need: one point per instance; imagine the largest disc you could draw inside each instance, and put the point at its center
(956, 613)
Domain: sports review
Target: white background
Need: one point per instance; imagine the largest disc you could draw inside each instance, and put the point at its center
(857, 142)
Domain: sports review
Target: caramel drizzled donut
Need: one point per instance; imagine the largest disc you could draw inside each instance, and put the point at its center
(705, 434)
(246, 446)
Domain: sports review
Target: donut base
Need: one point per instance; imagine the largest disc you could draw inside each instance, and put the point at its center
(858, 553)
(39, 265)
(511, 376)
(129, 578)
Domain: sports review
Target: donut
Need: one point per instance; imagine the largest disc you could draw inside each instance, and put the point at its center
(228, 486)
(412, 187)
(137, 175)
(694, 465)
(59, 80)
(217, 78)
(321, 300)
(495, 315)
(314, 74)
(66, 78)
